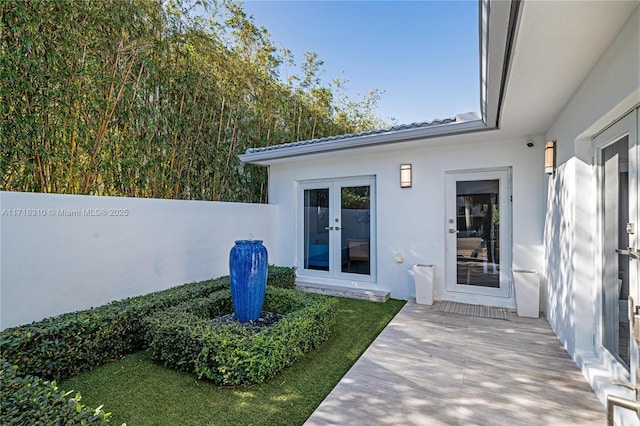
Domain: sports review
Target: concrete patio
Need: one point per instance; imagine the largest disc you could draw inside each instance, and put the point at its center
(433, 368)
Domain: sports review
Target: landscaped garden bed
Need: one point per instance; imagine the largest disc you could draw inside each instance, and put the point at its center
(108, 344)
(140, 391)
(34, 356)
(232, 353)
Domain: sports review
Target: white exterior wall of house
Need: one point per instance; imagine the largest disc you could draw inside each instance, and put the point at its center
(411, 222)
(611, 89)
(63, 253)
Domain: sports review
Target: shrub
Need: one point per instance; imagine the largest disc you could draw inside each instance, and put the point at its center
(63, 346)
(282, 276)
(60, 347)
(30, 400)
(184, 337)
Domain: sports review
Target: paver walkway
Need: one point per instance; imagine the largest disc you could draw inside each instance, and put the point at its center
(434, 368)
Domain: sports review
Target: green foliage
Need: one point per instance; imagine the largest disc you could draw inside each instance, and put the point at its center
(183, 337)
(30, 400)
(147, 99)
(282, 276)
(63, 346)
(288, 399)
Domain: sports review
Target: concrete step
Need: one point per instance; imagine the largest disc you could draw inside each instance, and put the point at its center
(350, 292)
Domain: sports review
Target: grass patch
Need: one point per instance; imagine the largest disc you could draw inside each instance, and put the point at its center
(138, 391)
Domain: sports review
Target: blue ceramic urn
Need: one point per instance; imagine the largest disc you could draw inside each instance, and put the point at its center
(248, 265)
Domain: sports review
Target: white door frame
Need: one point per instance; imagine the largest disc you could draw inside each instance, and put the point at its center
(503, 295)
(335, 235)
(626, 126)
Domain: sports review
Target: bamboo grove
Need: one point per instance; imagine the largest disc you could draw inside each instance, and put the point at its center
(149, 98)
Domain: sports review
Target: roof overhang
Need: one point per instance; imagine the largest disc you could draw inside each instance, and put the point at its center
(462, 123)
(558, 44)
(498, 27)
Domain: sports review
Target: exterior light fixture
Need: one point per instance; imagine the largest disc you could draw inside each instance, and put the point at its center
(405, 175)
(550, 157)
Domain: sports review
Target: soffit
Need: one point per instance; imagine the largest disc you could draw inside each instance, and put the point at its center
(557, 45)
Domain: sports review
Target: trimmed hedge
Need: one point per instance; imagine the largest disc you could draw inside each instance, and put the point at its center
(30, 400)
(282, 276)
(183, 337)
(63, 346)
(60, 347)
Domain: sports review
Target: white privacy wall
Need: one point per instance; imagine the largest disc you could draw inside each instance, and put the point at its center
(62, 253)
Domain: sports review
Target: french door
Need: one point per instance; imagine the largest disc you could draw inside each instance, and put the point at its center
(478, 216)
(617, 157)
(336, 229)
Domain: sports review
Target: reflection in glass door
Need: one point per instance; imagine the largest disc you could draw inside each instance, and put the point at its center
(355, 213)
(478, 226)
(316, 228)
(336, 238)
(615, 181)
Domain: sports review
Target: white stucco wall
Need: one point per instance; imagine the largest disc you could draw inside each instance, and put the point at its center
(62, 253)
(412, 221)
(610, 90)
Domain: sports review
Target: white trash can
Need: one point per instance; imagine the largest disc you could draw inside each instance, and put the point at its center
(424, 275)
(527, 289)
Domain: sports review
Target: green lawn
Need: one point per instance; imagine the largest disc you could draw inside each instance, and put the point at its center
(139, 392)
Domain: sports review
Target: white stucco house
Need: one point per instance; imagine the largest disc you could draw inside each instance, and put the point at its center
(471, 195)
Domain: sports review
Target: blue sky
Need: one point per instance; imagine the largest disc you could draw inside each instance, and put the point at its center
(422, 54)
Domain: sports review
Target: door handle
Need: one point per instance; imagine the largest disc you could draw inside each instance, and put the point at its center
(629, 251)
(328, 228)
(453, 231)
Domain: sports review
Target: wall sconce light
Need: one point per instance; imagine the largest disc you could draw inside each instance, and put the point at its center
(405, 175)
(550, 157)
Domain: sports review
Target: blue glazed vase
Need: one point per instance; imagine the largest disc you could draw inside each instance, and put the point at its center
(248, 264)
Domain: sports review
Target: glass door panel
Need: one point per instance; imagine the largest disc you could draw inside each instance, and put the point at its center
(477, 239)
(615, 292)
(316, 229)
(355, 214)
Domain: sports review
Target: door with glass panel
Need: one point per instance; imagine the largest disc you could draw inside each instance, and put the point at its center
(617, 158)
(477, 230)
(336, 238)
